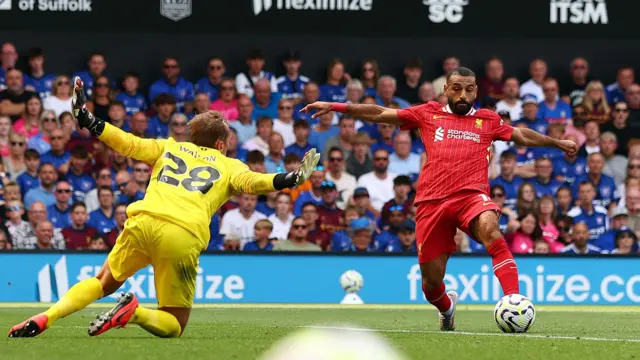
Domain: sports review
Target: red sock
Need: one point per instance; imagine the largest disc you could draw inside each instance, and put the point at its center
(438, 298)
(504, 267)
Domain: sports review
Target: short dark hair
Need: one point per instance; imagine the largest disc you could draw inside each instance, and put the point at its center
(164, 98)
(291, 158)
(263, 119)
(132, 74)
(116, 102)
(78, 204)
(96, 53)
(346, 117)
(510, 155)
(587, 182)
(462, 71)
(121, 204)
(300, 124)
(335, 148)
(215, 58)
(104, 188)
(79, 152)
(498, 187)
(255, 157)
(31, 154)
(46, 164)
(309, 203)
(414, 63)
(34, 53)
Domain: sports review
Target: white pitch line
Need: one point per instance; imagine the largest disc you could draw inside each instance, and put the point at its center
(469, 333)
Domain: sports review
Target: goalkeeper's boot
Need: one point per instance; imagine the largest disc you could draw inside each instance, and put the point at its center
(31, 327)
(117, 317)
(447, 322)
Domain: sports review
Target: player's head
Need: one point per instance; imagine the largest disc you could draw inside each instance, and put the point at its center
(210, 130)
(461, 90)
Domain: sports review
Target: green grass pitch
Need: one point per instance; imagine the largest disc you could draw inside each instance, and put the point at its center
(246, 331)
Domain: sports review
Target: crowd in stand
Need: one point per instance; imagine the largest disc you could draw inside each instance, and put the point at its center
(63, 189)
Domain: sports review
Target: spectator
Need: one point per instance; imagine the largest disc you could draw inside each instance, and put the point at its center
(59, 212)
(314, 195)
(29, 124)
(402, 161)
(58, 156)
(265, 102)
(234, 151)
(343, 139)
(533, 86)
(201, 105)
(588, 212)
(315, 234)
(328, 212)
(301, 133)
(401, 189)
(245, 125)
(267, 204)
(29, 179)
(261, 240)
(260, 142)
(14, 163)
(231, 245)
(448, 64)
(60, 99)
(165, 106)
(564, 224)
(45, 237)
(406, 238)
(5, 130)
(362, 202)
(521, 241)
(238, 224)
(526, 201)
(282, 217)
(245, 80)
(340, 240)
(369, 77)
(227, 104)
(141, 175)
(576, 127)
(125, 189)
(615, 165)
(39, 142)
(573, 90)
(632, 177)
(546, 213)
(619, 221)
(541, 247)
(565, 200)
(531, 115)
(580, 245)
(619, 127)
(355, 91)
(5, 243)
(616, 91)
(510, 101)
(385, 139)
(132, 99)
(105, 179)
(43, 193)
(97, 243)
(508, 218)
(361, 236)
(360, 161)
(386, 93)
(426, 93)
(121, 217)
(379, 182)
(310, 94)
(292, 83)
(605, 186)
(14, 219)
(389, 236)
(284, 123)
(493, 83)
(298, 238)
(626, 241)
(81, 182)
(139, 125)
(595, 102)
(345, 183)
(103, 219)
(210, 84)
(334, 89)
(323, 131)
(554, 131)
(633, 100)
(13, 99)
(77, 235)
(96, 67)
(9, 60)
(255, 161)
(174, 84)
(408, 88)
(632, 199)
(569, 167)
(543, 182)
(592, 144)
(291, 163)
(552, 109)
(118, 162)
(117, 115)
(101, 98)
(178, 128)
(25, 236)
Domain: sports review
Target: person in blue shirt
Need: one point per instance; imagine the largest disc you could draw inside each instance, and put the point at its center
(554, 131)
(626, 242)
(234, 151)
(362, 202)
(616, 91)
(497, 193)
(580, 244)
(132, 99)
(530, 115)
(314, 195)
(59, 213)
(605, 185)
(274, 161)
(386, 93)
(551, 109)
(210, 84)
(340, 240)
(310, 94)
(81, 182)
(47, 175)
(569, 167)
(406, 238)
(172, 83)
(36, 78)
(165, 106)
(292, 83)
(216, 241)
(544, 183)
(361, 236)
(96, 68)
(595, 216)
(323, 131)
(57, 156)
(265, 102)
(619, 222)
(103, 219)
(267, 206)
(301, 146)
(387, 239)
(335, 89)
(29, 179)
(507, 178)
(261, 241)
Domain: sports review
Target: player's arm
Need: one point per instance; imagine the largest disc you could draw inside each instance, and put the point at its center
(146, 150)
(367, 112)
(528, 137)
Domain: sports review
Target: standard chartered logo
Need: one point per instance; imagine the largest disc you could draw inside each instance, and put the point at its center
(545, 287)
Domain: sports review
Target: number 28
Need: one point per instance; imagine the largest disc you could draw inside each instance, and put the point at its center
(204, 185)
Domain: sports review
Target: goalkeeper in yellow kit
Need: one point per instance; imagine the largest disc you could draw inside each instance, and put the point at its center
(169, 228)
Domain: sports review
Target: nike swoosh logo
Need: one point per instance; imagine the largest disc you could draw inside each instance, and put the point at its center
(487, 203)
(121, 315)
(436, 117)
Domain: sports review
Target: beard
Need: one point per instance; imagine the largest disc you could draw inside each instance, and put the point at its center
(460, 107)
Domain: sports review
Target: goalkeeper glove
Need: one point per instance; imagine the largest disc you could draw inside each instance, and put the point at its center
(298, 177)
(85, 117)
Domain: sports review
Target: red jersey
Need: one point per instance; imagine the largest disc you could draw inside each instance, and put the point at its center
(457, 147)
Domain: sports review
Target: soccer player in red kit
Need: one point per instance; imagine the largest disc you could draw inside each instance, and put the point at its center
(453, 187)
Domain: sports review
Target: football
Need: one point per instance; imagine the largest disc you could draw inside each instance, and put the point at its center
(351, 281)
(514, 314)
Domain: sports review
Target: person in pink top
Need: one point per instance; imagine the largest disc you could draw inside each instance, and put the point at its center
(29, 124)
(523, 240)
(5, 129)
(227, 104)
(546, 213)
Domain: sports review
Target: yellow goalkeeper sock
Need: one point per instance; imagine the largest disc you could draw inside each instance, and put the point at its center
(77, 298)
(159, 323)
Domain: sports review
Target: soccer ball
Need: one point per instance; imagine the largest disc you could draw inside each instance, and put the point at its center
(351, 281)
(514, 314)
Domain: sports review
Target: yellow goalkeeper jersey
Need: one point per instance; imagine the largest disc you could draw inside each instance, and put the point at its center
(188, 183)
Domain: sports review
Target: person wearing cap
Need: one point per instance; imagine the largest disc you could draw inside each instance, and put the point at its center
(626, 243)
(402, 186)
(361, 236)
(530, 117)
(297, 238)
(389, 236)
(552, 109)
(346, 183)
(402, 160)
(533, 86)
(292, 83)
(580, 241)
(619, 221)
(616, 165)
(406, 238)
(36, 79)
(362, 203)
(408, 88)
(511, 101)
(341, 240)
(544, 183)
(360, 161)
(245, 81)
(172, 83)
(379, 182)
(210, 84)
(314, 195)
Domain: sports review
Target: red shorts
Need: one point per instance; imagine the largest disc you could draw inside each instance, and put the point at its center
(437, 221)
